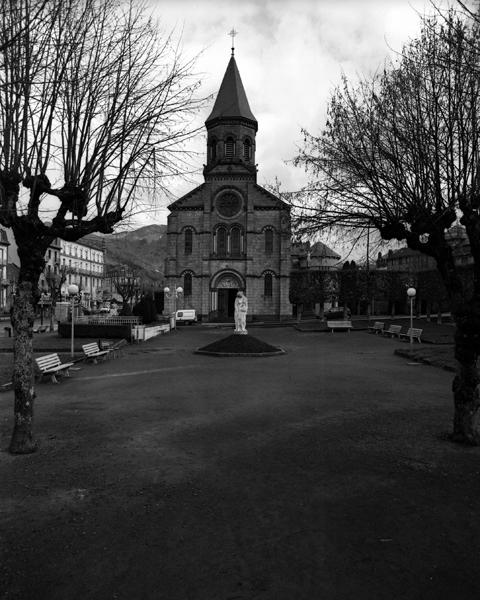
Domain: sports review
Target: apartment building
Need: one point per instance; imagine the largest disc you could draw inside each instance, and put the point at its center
(84, 265)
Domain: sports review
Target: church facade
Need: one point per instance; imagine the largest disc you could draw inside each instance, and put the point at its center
(230, 233)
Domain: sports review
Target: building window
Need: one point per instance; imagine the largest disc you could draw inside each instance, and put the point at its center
(235, 243)
(212, 150)
(247, 150)
(229, 147)
(221, 241)
(268, 241)
(188, 241)
(187, 284)
(268, 285)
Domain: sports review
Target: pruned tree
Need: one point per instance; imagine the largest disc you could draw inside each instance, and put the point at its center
(95, 106)
(400, 153)
(127, 284)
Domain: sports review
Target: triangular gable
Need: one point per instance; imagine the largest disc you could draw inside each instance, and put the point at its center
(193, 200)
(269, 199)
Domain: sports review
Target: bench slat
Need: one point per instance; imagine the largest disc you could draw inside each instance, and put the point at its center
(414, 333)
(376, 327)
(339, 325)
(50, 364)
(393, 330)
(93, 351)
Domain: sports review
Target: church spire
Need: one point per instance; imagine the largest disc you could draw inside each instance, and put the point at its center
(231, 102)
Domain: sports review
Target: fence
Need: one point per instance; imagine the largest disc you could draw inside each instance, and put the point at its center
(141, 333)
(104, 320)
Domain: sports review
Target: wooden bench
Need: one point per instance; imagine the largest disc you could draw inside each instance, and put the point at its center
(393, 330)
(50, 364)
(377, 327)
(92, 352)
(117, 348)
(332, 325)
(414, 333)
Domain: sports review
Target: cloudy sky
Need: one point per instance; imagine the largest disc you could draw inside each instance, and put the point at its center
(290, 53)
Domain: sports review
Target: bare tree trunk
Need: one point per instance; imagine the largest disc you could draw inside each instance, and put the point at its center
(465, 387)
(429, 311)
(22, 317)
(439, 314)
(299, 312)
(467, 402)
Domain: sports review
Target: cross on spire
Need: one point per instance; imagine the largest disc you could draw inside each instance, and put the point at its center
(232, 34)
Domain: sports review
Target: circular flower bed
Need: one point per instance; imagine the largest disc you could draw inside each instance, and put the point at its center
(240, 345)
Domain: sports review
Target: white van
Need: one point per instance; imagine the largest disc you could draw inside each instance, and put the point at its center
(188, 315)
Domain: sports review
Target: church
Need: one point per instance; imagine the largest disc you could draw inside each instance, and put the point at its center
(230, 233)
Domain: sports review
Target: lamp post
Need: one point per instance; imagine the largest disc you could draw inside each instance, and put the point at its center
(411, 293)
(175, 294)
(72, 291)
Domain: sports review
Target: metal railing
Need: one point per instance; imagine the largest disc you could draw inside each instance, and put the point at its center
(106, 320)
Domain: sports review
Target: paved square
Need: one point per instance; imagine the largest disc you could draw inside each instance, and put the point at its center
(321, 473)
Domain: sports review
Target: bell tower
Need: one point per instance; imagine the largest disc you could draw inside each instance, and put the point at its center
(231, 129)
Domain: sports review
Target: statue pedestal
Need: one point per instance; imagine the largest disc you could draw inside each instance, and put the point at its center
(240, 332)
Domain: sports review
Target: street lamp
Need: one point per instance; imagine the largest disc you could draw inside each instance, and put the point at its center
(173, 295)
(411, 293)
(73, 291)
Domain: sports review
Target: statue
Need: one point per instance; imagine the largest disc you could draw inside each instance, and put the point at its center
(241, 308)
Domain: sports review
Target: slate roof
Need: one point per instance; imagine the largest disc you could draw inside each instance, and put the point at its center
(231, 100)
(321, 249)
(317, 249)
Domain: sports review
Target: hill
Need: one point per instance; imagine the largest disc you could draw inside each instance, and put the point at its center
(143, 249)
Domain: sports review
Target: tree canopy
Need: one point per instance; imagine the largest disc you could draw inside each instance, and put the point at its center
(400, 153)
(95, 107)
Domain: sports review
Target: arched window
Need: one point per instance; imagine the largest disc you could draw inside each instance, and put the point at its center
(268, 285)
(235, 241)
(212, 150)
(188, 241)
(268, 241)
(187, 284)
(221, 241)
(247, 150)
(229, 147)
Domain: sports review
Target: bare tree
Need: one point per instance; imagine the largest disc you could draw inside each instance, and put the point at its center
(400, 153)
(94, 109)
(127, 284)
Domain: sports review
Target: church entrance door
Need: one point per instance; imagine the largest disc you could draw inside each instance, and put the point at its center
(226, 304)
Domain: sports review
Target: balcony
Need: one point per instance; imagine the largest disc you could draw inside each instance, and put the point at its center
(89, 272)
